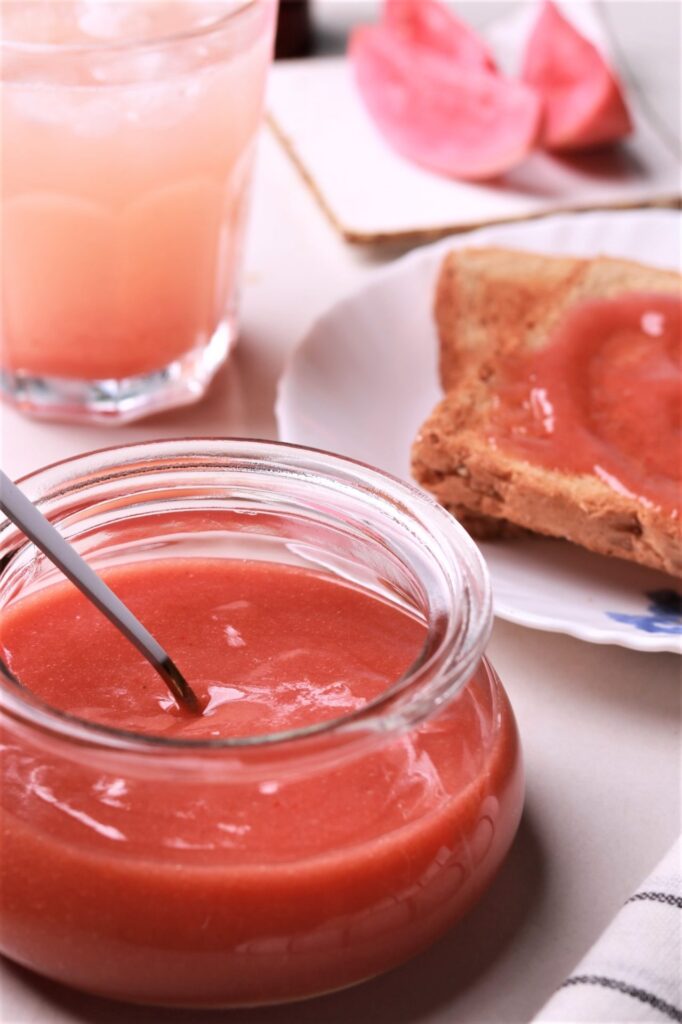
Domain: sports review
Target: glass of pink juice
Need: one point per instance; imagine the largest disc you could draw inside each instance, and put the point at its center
(128, 139)
(354, 781)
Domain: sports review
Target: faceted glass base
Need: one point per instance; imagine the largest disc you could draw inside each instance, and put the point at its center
(120, 401)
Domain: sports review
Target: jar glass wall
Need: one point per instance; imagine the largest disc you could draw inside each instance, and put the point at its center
(270, 867)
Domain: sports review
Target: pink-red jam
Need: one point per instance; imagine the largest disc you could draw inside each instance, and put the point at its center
(604, 397)
(175, 879)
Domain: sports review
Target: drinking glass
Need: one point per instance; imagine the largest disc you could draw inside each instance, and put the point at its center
(128, 138)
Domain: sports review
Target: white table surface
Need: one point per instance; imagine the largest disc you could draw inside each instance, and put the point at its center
(600, 725)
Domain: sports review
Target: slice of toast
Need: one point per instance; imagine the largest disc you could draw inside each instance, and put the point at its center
(492, 303)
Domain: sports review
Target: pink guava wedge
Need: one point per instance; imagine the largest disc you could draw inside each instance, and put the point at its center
(583, 100)
(430, 24)
(462, 121)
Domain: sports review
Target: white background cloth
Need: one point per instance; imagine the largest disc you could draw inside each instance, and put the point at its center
(600, 725)
(634, 971)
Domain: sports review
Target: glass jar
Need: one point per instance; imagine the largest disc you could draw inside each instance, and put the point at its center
(129, 131)
(241, 886)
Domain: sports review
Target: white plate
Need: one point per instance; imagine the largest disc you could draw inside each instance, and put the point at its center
(364, 378)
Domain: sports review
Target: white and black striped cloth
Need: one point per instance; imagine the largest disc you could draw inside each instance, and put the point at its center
(634, 971)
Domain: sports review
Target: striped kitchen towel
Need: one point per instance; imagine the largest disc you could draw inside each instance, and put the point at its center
(634, 971)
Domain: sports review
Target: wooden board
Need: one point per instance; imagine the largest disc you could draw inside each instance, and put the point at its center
(372, 195)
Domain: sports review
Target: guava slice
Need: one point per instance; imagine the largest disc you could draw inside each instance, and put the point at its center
(583, 100)
(461, 121)
(432, 25)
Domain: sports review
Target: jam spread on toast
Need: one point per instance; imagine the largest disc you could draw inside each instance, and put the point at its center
(604, 397)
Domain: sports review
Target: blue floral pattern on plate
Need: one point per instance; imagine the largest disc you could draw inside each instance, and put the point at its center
(664, 614)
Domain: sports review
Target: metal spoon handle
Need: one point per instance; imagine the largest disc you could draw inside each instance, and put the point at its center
(45, 536)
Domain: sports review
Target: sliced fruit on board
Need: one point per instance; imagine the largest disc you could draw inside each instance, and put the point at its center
(584, 104)
(431, 24)
(462, 122)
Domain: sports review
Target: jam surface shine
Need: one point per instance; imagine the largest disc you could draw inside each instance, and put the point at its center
(604, 397)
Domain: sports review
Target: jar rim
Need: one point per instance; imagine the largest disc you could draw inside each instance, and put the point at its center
(447, 659)
(132, 44)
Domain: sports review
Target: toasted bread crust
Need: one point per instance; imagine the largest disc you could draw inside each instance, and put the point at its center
(490, 303)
